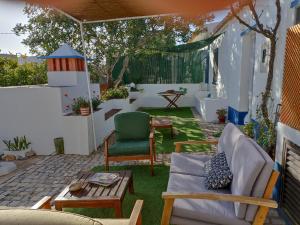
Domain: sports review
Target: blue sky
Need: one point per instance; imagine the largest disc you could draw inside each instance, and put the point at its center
(11, 13)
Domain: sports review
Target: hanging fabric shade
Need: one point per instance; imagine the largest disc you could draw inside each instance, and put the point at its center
(192, 46)
(104, 10)
(179, 64)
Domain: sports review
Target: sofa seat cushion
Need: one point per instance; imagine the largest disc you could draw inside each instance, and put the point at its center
(190, 164)
(210, 212)
(43, 217)
(247, 164)
(227, 141)
(127, 148)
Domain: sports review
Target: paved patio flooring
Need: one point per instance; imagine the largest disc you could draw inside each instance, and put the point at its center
(48, 175)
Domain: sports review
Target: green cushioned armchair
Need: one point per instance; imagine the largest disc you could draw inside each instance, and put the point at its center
(134, 139)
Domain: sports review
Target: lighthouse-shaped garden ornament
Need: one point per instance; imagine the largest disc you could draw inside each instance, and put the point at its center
(65, 67)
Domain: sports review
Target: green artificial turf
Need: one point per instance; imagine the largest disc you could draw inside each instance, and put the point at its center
(146, 187)
(186, 126)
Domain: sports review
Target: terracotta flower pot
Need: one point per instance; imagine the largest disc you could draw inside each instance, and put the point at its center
(222, 119)
(85, 111)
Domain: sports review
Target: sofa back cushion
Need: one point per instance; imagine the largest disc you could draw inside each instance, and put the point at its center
(247, 164)
(261, 182)
(227, 141)
(132, 126)
(43, 217)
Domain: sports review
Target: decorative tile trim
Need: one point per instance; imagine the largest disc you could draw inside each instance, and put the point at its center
(295, 3)
(236, 117)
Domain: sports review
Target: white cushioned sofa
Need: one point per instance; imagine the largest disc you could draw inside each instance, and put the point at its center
(246, 201)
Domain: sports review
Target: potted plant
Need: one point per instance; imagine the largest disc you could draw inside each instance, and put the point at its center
(95, 102)
(18, 147)
(221, 115)
(133, 91)
(81, 106)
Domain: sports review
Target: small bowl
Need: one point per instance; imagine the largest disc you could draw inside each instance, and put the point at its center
(75, 186)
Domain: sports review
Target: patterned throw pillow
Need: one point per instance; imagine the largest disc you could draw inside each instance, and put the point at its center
(217, 171)
(217, 161)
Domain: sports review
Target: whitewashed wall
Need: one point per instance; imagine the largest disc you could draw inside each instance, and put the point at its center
(231, 62)
(36, 111)
(150, 98)
(288, 17)
(231, 83)
(32, 111)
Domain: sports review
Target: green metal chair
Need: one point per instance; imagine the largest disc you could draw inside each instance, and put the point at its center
(134, 139)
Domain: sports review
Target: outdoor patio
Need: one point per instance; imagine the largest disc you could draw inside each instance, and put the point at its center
(48, 175)
(152, 112)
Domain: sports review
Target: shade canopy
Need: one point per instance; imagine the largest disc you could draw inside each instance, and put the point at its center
(105, 10)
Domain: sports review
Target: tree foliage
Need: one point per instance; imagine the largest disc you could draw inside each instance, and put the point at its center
(107, 41)
(12, 74)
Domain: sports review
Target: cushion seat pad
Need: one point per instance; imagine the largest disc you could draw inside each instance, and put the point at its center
(127, 148)
(188, 211)
(185, 163)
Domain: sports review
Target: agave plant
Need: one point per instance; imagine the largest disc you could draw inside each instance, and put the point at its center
(18, 144)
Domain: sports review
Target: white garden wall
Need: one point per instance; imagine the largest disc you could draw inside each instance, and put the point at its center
(32, 111)
(36, 111)
(150, 98)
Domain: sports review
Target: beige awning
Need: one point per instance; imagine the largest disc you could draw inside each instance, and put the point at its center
(103, 10)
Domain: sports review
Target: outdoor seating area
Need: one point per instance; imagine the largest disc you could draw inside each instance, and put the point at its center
(171, 180)
(151, 113)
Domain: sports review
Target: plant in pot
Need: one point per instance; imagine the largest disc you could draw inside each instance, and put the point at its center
(81, 106)
(18, 147)
(222, 115)
(96, 102)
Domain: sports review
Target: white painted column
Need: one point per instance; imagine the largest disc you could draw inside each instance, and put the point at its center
(88, 83)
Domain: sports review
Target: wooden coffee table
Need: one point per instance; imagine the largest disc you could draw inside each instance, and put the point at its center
(96, 196)
(163, 122)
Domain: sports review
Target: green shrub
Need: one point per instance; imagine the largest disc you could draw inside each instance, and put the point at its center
(95, 102)
(115, 93)
(249, 129)
(12, 74)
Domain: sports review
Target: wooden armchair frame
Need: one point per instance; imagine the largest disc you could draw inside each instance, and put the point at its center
(264, 203)
(134, 219)
(178, 145)
(151, 156)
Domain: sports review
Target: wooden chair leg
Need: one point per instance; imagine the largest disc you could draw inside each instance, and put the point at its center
(154, 150)
(139, 222)
(167, 211)
(151, 165)
(106, 155)
(106, 164)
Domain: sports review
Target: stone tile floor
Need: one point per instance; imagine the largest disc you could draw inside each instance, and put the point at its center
(48, 175)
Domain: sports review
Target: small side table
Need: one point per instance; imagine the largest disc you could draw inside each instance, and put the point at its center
(96, 196)
(163, 122)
